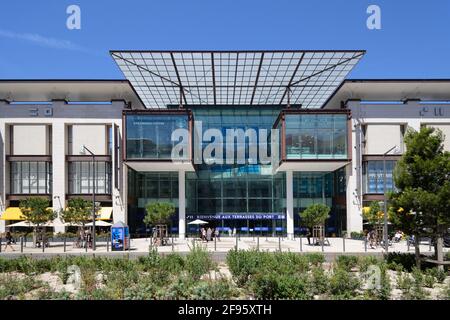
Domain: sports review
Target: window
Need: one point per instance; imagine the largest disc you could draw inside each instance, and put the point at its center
(81, 177)
(149, 136)
(373, 176)
(316, 136)
(31, 177)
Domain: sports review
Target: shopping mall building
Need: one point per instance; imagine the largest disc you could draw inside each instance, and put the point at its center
(184, 126)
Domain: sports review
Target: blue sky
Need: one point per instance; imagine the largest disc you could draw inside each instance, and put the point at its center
(414, 41)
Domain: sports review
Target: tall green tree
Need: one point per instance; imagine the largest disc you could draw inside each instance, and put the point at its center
(421, 204)
(158, 213)
(78, 212)
(36, 211)
(314, 215)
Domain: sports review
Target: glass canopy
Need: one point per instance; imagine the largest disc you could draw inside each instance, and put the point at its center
(306, 78)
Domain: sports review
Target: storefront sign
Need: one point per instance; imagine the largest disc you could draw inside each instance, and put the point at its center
(238, 216)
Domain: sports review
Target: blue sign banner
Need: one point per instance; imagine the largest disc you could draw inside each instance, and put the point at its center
(118, 238)
(238, 216)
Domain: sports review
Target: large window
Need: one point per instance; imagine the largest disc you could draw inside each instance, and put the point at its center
(81, 177)
(149, 136)
(373, 176)
(31, 177)
(321, 187)
(316, 136)
(227, 190)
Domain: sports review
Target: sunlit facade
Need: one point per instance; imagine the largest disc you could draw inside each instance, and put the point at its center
(245, 140)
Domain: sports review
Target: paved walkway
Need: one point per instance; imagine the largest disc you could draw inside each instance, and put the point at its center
(225, 244)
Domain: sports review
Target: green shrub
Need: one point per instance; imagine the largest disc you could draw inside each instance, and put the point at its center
(143, 290)
(151, 261)
(178, 289)
(417, 276)
(213, 290)
(47, 294)
(404, 281)
(346, 262)
(172, 263)
(343, 284)
(406, 260)
(280, 286)
(17, 287)
(440, 275)
(384, 293)
(242, 264)
(428, 278)
(319, 281)
(365, 261)
(198, 262)
(315, 259)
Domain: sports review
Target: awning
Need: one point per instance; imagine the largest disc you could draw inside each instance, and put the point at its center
(12, 213)
(105, 213)
(99, 224)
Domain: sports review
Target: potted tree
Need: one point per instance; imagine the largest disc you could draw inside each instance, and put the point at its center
(36, 211)
(314, 217)
(158, 215)
(78, 213)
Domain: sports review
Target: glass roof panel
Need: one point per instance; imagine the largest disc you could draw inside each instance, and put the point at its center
(161, 78)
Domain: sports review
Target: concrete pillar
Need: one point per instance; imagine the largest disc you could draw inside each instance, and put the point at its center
(181, 205)
(59, 171)
(354, 205)
(289, 205)
(118, 173)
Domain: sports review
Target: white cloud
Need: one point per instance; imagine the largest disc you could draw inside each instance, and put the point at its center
(44, 41)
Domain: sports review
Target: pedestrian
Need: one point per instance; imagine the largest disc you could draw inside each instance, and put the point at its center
(203, 234)
(208, 234)
(9, 241)
(308, 235)
(88, 239)
(216, 233)
(234, 232)
(372, 239)
(229, 232)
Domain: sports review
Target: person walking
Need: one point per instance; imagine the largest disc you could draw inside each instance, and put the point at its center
(203, 234)
(208, 234)
(9, 241)
(372, 239)
(216, 234)
(234, 232)
(308, 235)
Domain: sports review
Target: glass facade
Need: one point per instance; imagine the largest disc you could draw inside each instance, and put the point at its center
(81, 177)
(373, 176)
(146, 187)
(31, 177)
(149, 136)
(316, 136)
(249, 197)
(321, 187)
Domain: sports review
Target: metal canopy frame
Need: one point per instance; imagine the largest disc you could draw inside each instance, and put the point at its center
(298, 77)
